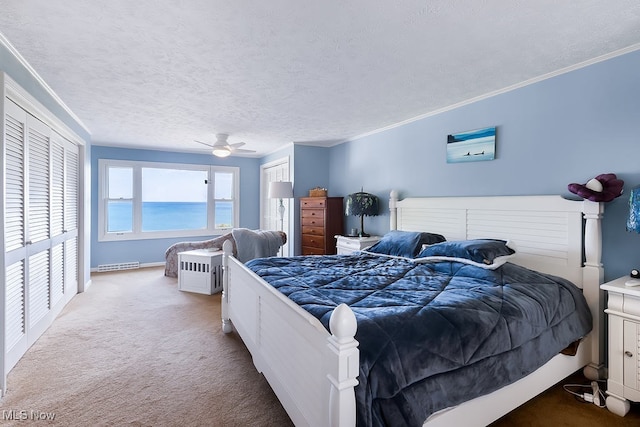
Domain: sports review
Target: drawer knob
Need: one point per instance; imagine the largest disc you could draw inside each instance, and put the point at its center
(628, 354)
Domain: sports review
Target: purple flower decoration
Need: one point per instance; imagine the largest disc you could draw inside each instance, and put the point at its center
(602, 188)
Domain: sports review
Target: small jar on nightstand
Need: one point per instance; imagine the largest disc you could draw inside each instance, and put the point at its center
(623, 310)
(348, 245)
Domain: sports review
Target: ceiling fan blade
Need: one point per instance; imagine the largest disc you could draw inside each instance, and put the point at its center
(242, 150)
(203, 143)
(236, 145)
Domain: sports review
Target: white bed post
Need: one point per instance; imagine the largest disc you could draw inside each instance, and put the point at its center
(344, 367)
(393, 210)
(592, 277)
(227, 249)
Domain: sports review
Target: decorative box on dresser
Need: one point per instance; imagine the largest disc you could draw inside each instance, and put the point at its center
(321, 218)
(623, 310)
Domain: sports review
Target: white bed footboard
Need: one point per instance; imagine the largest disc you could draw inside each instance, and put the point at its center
(312, 372)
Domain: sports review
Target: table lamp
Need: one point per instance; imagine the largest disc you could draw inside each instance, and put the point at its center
(361, 204)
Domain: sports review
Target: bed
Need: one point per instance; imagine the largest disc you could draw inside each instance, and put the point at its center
(314, 372)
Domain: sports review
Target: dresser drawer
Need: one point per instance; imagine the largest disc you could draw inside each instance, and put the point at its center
(311, 230)
(313, 222)
(312, 241)
(348, 245)
(313, 213)
(312, 251)
(313, 203)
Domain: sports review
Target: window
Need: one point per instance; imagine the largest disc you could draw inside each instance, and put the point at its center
(120, 199)
(143, 200)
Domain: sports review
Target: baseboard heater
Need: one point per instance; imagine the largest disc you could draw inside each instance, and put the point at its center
(118, 266)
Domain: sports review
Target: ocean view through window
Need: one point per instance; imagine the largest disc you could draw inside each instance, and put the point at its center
(147, 200)
(170, 215)
(174, 199)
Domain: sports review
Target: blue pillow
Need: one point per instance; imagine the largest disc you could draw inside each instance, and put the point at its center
(404, 243)
(485, 252)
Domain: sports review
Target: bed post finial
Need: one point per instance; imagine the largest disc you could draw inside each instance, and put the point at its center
(393, 210)
(227, 251)
(344, 366)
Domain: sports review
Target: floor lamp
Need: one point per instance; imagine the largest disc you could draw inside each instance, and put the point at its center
(281, 190)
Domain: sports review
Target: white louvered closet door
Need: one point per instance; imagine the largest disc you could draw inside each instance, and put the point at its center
(15, 342)
(57, 219)
(38, 226)
(64, 220)
(71, 209)
(40, 230)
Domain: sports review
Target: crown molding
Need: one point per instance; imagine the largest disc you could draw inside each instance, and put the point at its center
(534, 80)
(7, 44)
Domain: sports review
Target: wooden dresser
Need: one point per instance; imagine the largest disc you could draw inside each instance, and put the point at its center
(322, 218)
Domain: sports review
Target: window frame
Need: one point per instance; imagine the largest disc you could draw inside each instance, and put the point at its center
(137, 233)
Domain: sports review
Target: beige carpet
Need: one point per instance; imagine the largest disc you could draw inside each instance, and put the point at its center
(135, 351)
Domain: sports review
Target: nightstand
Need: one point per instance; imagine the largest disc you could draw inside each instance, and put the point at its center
(623, 310)
(348, 245)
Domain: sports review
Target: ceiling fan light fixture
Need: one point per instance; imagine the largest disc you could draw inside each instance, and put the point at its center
(221, 151)
(222, 148)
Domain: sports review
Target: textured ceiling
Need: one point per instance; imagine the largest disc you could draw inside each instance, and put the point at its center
(162, 73)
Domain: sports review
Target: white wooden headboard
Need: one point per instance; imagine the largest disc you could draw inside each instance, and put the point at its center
(549, 233)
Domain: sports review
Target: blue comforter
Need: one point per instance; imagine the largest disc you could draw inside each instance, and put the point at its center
(434, 335)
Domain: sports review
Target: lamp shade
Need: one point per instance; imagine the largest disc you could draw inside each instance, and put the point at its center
(359, 204)
(280, 190)
(633, 222)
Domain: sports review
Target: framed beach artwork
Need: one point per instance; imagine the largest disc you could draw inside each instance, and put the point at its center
(471, 146)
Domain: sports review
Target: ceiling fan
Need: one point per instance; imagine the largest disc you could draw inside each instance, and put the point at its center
(222, 148)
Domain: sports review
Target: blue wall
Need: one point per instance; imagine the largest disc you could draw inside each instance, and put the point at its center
(311, 170)
(152, 250)
(565, 129)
